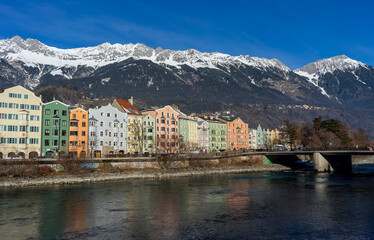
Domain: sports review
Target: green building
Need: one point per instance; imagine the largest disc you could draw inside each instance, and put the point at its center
(217, 136)
(149, 134)
(55, 129)
(183, 133)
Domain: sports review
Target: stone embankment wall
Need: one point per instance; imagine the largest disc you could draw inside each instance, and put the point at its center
(251, 160)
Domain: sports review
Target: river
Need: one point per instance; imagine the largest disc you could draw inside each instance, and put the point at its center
(277, 205)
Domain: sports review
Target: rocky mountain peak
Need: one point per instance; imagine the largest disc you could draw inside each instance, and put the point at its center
(329, 65)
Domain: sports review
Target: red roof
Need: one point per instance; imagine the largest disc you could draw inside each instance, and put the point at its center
(128, 107)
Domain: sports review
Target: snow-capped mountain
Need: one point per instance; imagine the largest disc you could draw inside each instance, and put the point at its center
(344, 79)
(136, 69)
(33, 53)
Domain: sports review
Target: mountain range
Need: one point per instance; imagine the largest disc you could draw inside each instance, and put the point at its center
(183, 76)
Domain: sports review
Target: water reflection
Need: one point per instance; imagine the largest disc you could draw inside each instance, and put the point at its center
(256, 205)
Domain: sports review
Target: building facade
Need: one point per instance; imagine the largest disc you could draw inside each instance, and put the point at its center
(260, 141)
(149, 134)
(55, 129)
(134, 124)
(78, 133)
(193, 139)
(20, 123)
(203, 135)
(237, 134)
(107, 131)
(167, 129)
(217, 136)
(252, 138)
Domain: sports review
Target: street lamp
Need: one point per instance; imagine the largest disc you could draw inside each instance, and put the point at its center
(55, 117)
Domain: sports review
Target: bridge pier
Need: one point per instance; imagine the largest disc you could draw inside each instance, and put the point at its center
(332, 162)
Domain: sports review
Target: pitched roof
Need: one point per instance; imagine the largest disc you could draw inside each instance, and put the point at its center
(128, 107)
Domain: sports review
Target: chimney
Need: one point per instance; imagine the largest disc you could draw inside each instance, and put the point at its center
(131, 100)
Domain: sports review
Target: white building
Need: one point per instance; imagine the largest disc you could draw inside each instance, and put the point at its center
(252, 138)
(20, 123)
(203, 135)
(107, 131)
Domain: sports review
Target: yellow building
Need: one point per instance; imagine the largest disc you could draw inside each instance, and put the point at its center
(134, 124)
(193, 139)
(20, 123)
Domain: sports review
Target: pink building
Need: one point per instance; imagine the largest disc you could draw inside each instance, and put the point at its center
(167, 128)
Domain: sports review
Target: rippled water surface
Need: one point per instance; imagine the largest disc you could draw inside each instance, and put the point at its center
(283, 205)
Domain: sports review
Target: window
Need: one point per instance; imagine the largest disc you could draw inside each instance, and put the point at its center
(92, 134)
(22, 140)
(2, 128)
(64, 122)
(55, 132)
(101, 124)
(101, 134)
(13, 105)
(162, 120)
(13, 116)
(12, 128)
(110, 143)
(121, 135)
(55, 142)
(3, 105)
(46, 142)
(84, 116)
(158, 121)
(12, 140)
(74, 124)
(23, 128)
(83, 124)
(34, 129)
(34, 118)
(55, 122)
(108, 114)
(74, 116)
(63, 133)
(63, 143)
(115, 125)
(47, 112)
(73, 133)
(24, 106)
(34, 107)
(47, 122)
(83, 133)
(64, 113)
(101, 143)
(26, 96)
(162, 128)
(2, 115)
(110, 124)
(34, 141)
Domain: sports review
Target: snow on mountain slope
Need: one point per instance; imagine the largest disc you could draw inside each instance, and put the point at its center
(34, 53)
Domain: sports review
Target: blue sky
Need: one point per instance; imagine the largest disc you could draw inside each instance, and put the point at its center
(295, 32)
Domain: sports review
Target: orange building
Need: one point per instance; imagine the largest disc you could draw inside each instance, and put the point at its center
(78, 133)
(167, 128)
(237, 134)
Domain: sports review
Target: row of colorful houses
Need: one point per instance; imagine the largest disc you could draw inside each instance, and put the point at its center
(31, 128)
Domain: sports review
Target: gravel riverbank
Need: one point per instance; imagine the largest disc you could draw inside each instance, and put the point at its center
(95, 177)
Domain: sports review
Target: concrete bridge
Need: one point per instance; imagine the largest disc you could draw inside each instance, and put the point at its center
(322, 161)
